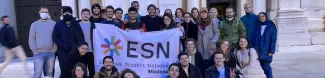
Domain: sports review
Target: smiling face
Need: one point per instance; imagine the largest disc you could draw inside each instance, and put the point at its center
(224, 46)
(262, 17)
(152, 11)
(248, 8)
(109, 13)
(195, 13)
(190, 45)
(219, 59)
(108, 64)
(229, 12)
(187, 18)
(179, 13)
(243, 43)
(184, 60)
(83, 49)
(167, 20)
(213, 13)
(118, 15)
(79, 72)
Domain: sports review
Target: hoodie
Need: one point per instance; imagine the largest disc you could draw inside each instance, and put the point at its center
(8, 37)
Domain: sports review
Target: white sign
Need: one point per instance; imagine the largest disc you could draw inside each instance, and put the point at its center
(169, 4)
(148, 54)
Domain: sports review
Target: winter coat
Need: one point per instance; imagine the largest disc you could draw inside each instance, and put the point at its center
(266, 43)
(212, 72)
(232, 30)
(103, 74)
(190, 30)
(152, 24)
(250, 20)
(205, 38)
(134, 26)
(193, 72)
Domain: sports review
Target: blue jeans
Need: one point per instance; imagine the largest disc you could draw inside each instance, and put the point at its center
(43, 60)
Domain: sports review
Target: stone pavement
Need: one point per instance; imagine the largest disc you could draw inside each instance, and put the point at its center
(285, 65)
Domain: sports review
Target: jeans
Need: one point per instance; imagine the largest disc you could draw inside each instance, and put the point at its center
(43, 60)
(267, 69)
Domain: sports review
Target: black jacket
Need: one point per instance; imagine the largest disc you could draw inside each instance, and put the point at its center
(152, 24)
(67, 36)
(8, 37)
(76, 35)
(74, 57)
(96, 20)
(199, 61)
(212, 72)
(190, 30)
(193, 71)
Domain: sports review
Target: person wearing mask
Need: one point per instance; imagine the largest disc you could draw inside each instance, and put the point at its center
(75, 56)
(250, 20)
(118, 17)
(134, 23)
(173, 71)
(109, 14)
(108, 70)
(61, 16)
(66, 35)
(151, 20)
(87, 28)
(179, 13)
(103, 14)
(207, 37)
(195, 14)
(168, 11)
(214, 14)
(136, 5)
(128, 73)
(225, 48)
(157, 12)
(265, 35)
(96, 10)
(8, 40)
(187, 70)
(42, 45)
(231, 28)
(79, 71)
(247, 60)
(219, 69)
(191, 29)
(195, 57)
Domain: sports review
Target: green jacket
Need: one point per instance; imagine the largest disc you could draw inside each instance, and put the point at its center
(232, 31)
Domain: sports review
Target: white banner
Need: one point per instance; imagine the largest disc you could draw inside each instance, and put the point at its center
(148, 54)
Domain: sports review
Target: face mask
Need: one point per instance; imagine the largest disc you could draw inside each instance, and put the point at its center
(67, 17)
(44, 16)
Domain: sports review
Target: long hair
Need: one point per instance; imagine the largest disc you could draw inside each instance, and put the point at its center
(204, 21)
(194, 8)
(172, 21)
(171, 12)
(238, 45)
(83, 67)
(228, 50)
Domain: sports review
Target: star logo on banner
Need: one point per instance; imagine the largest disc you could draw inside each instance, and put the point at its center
(111, 46)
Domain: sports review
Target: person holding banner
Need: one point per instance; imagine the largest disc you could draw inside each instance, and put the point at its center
(152, 21)
(128, 73)
(118, 17)
(187, 70)
(108, 70)
(173, 71)
(134, 23)
(169, 23)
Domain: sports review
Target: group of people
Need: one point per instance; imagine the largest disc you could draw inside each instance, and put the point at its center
(210, 48)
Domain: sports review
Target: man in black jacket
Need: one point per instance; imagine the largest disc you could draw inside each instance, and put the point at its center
(186, 69)
(9, 41)
(219, 70)
(67, 34)
(152, 21)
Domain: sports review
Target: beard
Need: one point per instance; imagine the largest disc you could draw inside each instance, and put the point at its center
(108, 66)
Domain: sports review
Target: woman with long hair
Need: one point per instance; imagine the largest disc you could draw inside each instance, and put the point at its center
(128, 73)
(225, 48)
(168, 11)
(79, 71)
(208, 35)
(195, 13)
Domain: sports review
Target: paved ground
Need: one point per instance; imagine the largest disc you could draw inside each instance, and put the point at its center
(285, 65)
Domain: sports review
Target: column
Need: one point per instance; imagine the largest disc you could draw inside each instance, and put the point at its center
(72, 4)
(259, 6)
(192, 3)
(203, 3)
(8, 8)
(292, 26)
(84, 4)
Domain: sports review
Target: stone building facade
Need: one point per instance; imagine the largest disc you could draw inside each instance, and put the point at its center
(300, 23)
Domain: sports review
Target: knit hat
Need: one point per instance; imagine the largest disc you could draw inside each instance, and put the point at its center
(94, 6)
(151, 5)
(67, 9)
(204, 9)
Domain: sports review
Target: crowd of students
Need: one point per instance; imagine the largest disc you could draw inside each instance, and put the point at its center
(211, 48)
